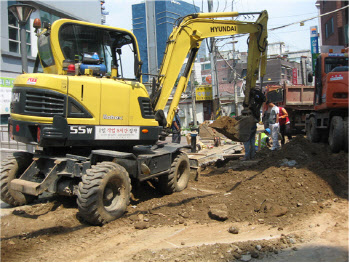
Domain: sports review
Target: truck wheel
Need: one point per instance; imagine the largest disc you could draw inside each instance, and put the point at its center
(336, 134)
(178, 177)
(346, 135)
(104, 193)
(312, 133)
(11, 168)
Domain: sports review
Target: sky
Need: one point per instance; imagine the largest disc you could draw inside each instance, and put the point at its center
(280, 13)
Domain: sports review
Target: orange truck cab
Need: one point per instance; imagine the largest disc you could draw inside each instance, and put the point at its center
(330, 120)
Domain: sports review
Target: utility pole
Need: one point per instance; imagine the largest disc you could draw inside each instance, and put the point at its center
(214, 82)
(234, 70)
(193, 89)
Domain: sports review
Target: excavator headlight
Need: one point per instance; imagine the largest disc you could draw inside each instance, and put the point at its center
(144, 131)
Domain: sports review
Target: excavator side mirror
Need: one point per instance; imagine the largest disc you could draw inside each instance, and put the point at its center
(310, 77)
(137, 67)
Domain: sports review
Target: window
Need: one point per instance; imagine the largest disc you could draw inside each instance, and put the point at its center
(333, 62)
(206, 66)
(45, 53)
(112, 47)
(47, 17)
(329, 28)
(14, 35)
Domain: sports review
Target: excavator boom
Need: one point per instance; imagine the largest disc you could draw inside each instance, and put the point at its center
(185, 41)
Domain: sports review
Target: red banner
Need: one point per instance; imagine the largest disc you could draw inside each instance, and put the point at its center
(295, 76)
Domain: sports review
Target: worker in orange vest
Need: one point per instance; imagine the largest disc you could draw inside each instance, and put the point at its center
(284, 124)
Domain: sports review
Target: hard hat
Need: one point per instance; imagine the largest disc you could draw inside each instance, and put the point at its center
(268, 130)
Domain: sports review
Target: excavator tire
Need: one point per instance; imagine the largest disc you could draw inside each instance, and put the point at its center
(11, 168)
(104, 193)
(179, 175)
(336, 134)
(346, 135)
(312, 134)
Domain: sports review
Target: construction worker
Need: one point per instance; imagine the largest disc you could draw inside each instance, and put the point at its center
(274, 125)
(249, 146)
(264, 141)
(284, 124)
(176, 127)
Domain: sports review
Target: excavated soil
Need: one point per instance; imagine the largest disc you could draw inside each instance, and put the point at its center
(236, 129)
(285, 205)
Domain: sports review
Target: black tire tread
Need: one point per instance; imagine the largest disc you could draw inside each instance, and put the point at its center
(313, 134)
(336, 134)
(89, 189)
(15, 163)
(168, 184)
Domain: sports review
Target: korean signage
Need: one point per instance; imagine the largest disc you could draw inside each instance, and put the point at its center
(6, 85)
(117, 133)
(295, 76)
(204, 93)
(314, 45)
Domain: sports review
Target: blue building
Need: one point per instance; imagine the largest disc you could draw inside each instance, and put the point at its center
(153, 22)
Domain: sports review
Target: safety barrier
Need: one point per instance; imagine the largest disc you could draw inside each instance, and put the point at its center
(6, 143)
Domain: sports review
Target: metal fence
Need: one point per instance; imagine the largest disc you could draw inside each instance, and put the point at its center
(6, 143)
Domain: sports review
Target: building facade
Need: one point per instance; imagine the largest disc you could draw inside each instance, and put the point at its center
(47, 11)
(152, 23)
(334, 26)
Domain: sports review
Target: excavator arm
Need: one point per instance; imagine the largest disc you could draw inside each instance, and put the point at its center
(185, 41)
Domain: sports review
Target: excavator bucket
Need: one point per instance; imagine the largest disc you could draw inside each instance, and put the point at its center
(237, 129)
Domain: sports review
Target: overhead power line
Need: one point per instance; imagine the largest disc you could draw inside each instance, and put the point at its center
(304, 20)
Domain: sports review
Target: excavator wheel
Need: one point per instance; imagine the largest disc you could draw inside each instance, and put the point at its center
(312, 134)
(104, 193)
(336, 134)
(346, 135)
(179, 175)
(11, 168)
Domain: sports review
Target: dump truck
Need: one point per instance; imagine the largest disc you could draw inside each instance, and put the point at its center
(329, 119)
(94, 125)
(298, 100)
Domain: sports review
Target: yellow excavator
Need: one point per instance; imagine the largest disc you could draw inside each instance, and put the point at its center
(92, 121)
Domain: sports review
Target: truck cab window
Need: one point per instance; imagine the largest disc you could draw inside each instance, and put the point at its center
(333, 62)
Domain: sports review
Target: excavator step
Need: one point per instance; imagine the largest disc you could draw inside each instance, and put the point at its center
(26, 187)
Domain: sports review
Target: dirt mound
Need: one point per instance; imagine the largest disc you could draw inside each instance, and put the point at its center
(277, 190)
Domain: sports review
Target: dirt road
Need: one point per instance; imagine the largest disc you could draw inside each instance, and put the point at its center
(289, 205)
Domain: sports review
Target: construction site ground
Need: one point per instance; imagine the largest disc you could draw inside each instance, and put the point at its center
(286, 205)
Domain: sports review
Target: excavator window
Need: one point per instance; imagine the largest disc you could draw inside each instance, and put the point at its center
(113, 47)
(45, 52)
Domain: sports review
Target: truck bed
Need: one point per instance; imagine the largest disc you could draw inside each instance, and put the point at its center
(293, 97)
